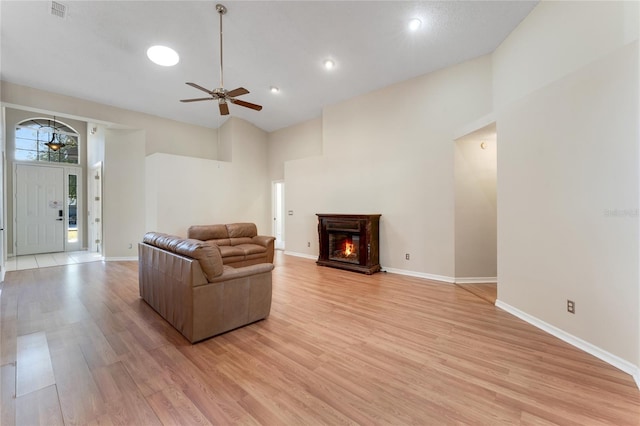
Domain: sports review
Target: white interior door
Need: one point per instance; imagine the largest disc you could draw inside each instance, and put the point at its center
(278, 214)
(39, 209)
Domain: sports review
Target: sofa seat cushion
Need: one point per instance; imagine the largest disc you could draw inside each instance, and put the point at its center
(230, 251)
(248, 249)
(256, 256)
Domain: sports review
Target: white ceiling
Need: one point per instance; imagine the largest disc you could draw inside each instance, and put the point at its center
(98, 51)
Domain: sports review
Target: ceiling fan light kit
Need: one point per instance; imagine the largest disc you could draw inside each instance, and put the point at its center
(223, 96)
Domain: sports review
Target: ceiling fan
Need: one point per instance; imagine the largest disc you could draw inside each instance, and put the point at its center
(220, 94)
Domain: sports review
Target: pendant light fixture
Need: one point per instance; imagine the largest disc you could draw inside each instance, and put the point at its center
(55, 143)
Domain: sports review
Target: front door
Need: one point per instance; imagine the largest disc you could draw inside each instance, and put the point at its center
(39, 209)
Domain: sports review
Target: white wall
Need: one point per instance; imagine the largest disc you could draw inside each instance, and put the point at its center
(555, 39)
(95, 143)
(225, 141)
(391, 152)
(566, 87)
(299, 141)
(184, 191)
(3, 192)
(202, 193)
(250, 184)
(123, 210)
(197, 195)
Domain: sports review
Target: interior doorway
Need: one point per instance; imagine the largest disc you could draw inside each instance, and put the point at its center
(475, 178)
(278, 214)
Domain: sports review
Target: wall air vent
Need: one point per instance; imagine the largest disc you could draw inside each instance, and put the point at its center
(58, 9)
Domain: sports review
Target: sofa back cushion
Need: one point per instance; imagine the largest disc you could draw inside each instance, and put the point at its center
(242, 230)
(207, 254)
(220, 241)
(207, 232)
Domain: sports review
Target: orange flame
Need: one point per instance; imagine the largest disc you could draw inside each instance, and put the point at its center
(348, 248)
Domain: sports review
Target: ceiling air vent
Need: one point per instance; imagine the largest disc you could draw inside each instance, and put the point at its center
(58, 9)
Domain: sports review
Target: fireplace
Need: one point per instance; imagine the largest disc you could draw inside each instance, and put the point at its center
(349, 241)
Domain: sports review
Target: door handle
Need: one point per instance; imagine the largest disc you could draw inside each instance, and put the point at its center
(60, 218)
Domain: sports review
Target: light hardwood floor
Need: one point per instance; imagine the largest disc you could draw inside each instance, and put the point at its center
(80, 347)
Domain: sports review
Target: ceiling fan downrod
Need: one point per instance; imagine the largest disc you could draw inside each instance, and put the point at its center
(221, 9)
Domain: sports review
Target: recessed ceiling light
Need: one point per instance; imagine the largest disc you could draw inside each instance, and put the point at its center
(163, 55)
(274, 89)
(415, 24)
(329, 64)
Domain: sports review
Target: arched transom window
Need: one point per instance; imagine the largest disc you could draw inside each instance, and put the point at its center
(45, 139)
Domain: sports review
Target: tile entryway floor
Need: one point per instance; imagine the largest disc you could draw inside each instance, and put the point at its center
(51, 259)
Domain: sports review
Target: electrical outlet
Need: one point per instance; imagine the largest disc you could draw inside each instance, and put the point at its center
(308, 243)
(571, 306)
(406, 256)
(130, 246)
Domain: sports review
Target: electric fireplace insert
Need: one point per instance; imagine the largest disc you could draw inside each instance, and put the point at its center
(349, 241)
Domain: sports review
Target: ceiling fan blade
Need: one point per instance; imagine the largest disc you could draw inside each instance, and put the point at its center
(246, 104)
(200, 88)
(196, 99)
(237, 92)
(224, 107)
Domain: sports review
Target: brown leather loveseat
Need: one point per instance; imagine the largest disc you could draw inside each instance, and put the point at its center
(185, 281)
(240, 244)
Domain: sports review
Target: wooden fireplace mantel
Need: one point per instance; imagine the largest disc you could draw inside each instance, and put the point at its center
(362, 228)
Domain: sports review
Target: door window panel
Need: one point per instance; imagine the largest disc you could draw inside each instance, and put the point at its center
(72, 209)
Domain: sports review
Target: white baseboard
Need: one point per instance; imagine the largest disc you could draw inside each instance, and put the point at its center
(304, 255)
(121, 259)
(477, 280)
(589, 348)
(432, 277)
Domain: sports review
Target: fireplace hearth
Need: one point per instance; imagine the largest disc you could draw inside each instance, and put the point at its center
(349, 241)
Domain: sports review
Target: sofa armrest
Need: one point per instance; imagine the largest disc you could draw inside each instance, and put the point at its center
(268, 242)
(263, 240)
